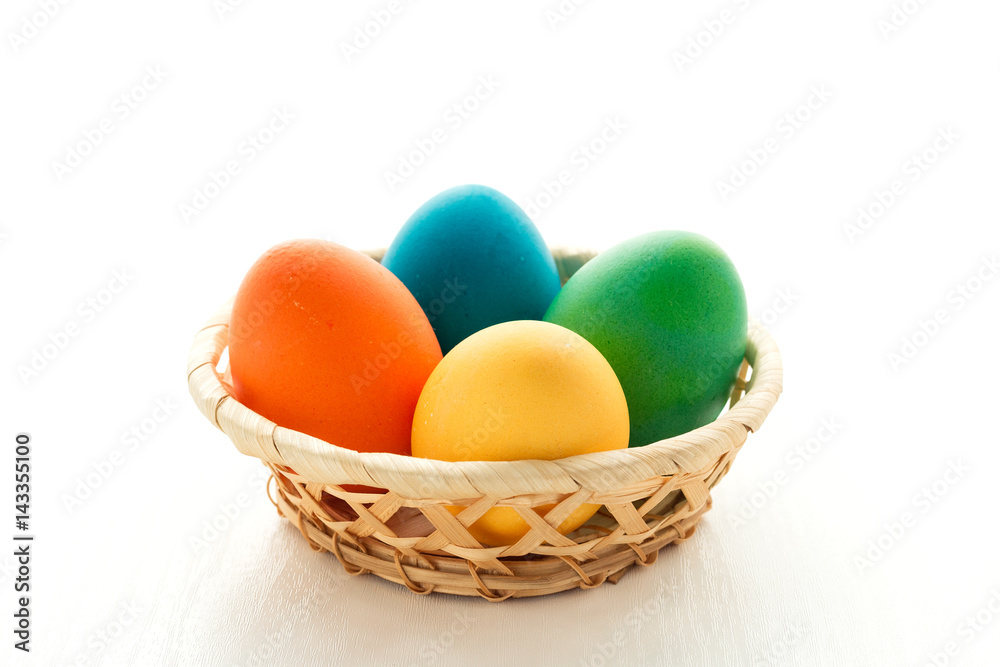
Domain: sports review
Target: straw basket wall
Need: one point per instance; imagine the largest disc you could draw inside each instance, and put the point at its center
(651, 496)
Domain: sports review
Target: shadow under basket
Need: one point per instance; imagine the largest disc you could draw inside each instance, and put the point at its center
(651, 496)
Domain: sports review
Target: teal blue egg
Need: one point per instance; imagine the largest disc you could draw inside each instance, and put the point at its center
(473, 258)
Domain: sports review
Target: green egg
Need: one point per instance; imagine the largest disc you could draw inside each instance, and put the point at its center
(668, 312)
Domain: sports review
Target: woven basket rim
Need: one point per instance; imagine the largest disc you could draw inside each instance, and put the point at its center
(412, 477)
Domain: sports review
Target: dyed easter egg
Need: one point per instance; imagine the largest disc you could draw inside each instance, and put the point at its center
(668, 312)
(473, 258)
(326, 341)
(520, 390)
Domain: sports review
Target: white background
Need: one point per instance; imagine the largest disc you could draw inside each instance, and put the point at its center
(773, 575)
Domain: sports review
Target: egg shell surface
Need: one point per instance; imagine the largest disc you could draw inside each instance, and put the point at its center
(473, 258)
(520, 390)
(326, 341)
(668, 311)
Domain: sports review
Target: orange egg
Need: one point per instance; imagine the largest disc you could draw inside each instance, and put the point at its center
(326, 341)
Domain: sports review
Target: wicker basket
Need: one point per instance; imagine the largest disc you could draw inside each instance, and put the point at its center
(651, 496)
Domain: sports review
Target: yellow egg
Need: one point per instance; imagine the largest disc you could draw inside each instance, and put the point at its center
(520, 390)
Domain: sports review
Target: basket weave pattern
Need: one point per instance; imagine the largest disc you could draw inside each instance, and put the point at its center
(651, 496)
